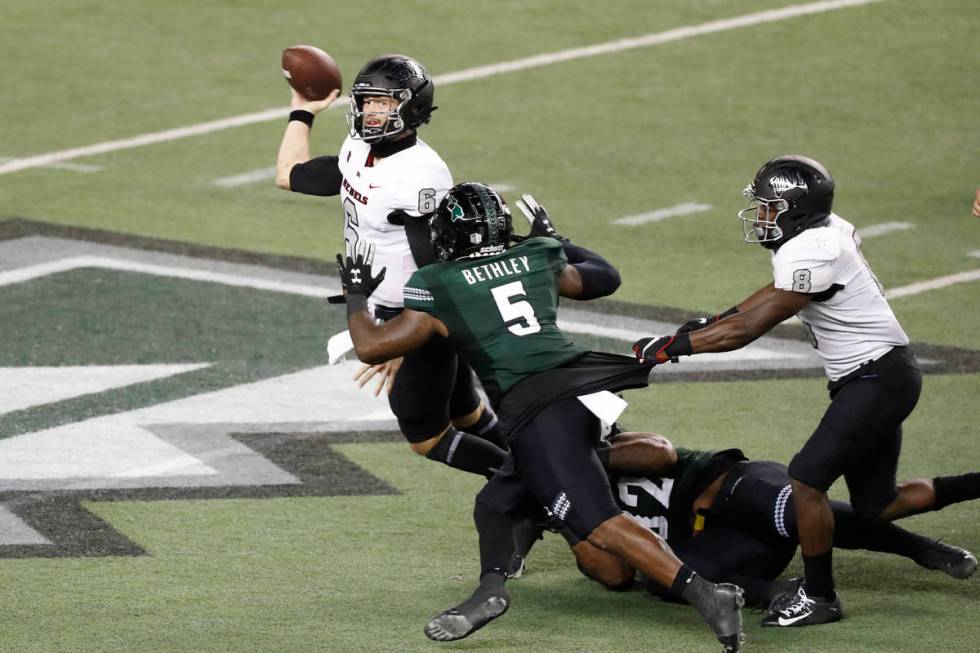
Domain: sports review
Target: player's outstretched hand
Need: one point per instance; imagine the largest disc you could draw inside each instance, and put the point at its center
(384, 371)
(541, 224)
(355, 270)
(696, 324)
(650, 351)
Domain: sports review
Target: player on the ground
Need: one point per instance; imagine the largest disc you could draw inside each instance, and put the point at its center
(875, 381)
(497, 304)
(389, 180)
(732, 519)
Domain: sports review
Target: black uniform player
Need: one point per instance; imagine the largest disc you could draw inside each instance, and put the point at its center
(498, 306)
(388, 181)
(732, 520)
(820, 274)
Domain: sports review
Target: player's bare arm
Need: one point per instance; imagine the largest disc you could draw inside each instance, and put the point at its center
(377, 343)
(295, 145)
(640, 454)
(766, 308)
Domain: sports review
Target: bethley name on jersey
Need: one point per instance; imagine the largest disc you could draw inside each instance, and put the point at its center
(496, 270)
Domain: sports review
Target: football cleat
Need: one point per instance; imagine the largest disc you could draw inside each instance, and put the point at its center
(720, 605)
(467, 617)
(791, 610)
(952, 560)
(780, 591)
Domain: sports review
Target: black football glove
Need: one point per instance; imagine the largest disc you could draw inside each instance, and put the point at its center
(651, 351)
(696, 324)
(541, 224)
(355, 271)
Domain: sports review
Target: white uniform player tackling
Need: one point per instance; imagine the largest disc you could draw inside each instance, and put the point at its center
(875, 381)
(848, 316)
(388, 180)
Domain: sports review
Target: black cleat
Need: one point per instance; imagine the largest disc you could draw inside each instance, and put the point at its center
(781, 591)
(791, 610)
(957, 562)
(468, 617)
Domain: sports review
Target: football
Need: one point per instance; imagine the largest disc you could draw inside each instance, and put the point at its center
(311, 71)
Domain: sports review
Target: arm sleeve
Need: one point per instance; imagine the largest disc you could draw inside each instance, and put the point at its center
(599, 277)
(319, 176)
(417, 295)
(420, 240)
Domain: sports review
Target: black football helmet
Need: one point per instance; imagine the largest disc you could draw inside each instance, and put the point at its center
(399, 77)
(789, 194)
(472, 220)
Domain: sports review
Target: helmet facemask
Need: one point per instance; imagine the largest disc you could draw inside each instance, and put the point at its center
(760, 219)
(394, 123)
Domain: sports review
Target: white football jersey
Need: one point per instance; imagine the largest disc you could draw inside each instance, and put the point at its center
(849, 319)
(413, 180)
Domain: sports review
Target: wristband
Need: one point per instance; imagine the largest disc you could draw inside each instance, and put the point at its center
(732, 311)
(356, 303)
(680, 346)
(303, 116)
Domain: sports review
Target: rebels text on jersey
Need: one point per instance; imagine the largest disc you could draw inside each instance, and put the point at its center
(848, 316)
(413, 180)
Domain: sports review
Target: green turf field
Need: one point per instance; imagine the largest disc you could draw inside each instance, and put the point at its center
(372, 541)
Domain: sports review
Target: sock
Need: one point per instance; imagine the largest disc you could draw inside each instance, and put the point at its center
(526, 533)
(851, 532)
(685, 576)
(467, 452)
(818, 575)
(488, 428)
(953, 489)
(496, 535)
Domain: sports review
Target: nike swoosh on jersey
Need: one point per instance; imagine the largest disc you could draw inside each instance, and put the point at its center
(372, 186)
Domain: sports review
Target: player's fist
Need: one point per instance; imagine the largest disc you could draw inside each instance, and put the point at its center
(696, 324)
(541, 224)
(355, 270)
(652, 351)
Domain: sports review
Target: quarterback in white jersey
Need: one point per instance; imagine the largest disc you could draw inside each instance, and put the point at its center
(408, 183)
(388, 181)
(875, 381)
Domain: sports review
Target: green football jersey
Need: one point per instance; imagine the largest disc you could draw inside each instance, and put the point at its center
(665, 504)
(500, 311)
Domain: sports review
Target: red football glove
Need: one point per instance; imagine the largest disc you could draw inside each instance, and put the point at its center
(652, 351)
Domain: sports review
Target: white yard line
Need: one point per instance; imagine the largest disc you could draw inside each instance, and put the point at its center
(43, 269)
(479, 72)
(262, 174)
(883, 228)
(74, 167)
(932, 284)
(662, 214)
(975, 254)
